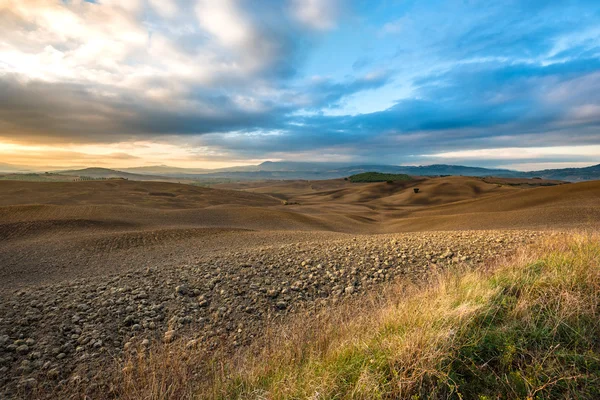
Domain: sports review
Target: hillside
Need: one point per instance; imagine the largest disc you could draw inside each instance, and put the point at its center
(568, 174)
(153, 195)
(110, 173)
(322, 171)
(135, 264)
(164, 170)
(65, 223)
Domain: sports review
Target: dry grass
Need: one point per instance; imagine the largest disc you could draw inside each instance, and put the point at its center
(526, 329)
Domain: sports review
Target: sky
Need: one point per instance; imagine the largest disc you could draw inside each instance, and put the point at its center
(216, 83)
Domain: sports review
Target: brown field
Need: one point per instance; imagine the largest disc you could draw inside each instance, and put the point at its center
(116, 257)
(61, 230)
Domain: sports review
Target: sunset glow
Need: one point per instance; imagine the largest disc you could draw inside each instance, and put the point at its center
(133, 154)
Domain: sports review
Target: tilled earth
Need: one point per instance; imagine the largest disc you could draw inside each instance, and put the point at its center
(57, 334)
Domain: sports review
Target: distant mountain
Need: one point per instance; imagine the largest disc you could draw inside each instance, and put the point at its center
(282, 170)
(110, 173)
(568, 174)
(438, 169)
(267, 168)
(164, 170)
(301, 166)
(317, 171)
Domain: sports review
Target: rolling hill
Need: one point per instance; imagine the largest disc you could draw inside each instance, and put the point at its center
(568, 174)
(284, 170)
(105, 173)
(321, 171)
(190, 253)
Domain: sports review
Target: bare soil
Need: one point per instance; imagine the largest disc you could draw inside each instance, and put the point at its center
(89, 270)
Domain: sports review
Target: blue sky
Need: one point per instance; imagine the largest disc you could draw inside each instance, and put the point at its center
(213, 83)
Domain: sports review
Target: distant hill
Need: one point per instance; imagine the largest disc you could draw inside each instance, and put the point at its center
(287, 170)
(164, 170)
(267, 166)
(568, 174)
(319, 171)
(435, 169)
(444, 169)
(110, 173)
(301, 166)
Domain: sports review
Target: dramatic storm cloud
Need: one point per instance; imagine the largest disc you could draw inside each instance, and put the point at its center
(213, 83)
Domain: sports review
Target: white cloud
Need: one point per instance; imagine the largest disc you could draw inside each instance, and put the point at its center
(165, 8)
(225, 21)
(317, 14)
(75, 41)
(131, 6)
(517, 153)
(157, 48)
(589, 38)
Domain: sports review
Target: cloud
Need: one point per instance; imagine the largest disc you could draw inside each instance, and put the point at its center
(524, 104)
(520, 153)
(172, 149)
(322, 92)
(95, 71)
(272, 79)
(317, 14)
(71, 112)
(165, 8)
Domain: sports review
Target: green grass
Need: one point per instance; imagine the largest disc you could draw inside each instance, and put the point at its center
(378, 177)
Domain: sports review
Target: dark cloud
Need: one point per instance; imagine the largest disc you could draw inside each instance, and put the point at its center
(469, 107)
(326, 93)
(75, 112)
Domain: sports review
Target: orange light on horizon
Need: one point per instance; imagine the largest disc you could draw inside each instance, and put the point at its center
(113, 155)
